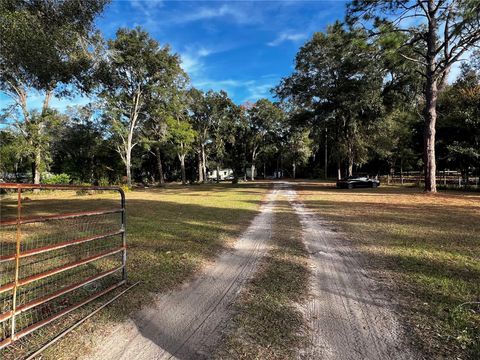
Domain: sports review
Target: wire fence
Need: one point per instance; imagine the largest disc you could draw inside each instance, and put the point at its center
(54, 261)
(449, 179)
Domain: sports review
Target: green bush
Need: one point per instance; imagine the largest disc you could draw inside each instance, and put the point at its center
(56, 179)
(103, 182)
(125, 188)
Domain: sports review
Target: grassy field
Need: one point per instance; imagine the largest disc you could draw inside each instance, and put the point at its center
(424, 248)
(427, 245)
(269, 324)
(171, 233)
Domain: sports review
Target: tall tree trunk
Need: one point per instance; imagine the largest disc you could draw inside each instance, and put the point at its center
(326, 153)
(401, 171)
(131, 131)
(264, 171)
(128, 159)
(392, 172)
(254, 158)
(38, 152)
(182, 166)
(36, 166)
(16, 172)
(429, 135)
(350, 160)
(128, 165)
(339, 171)
(204, 163)
(281, 165)
(158, 153)
(350, 166)
(294, 169)
(92, 169)
(218, 173)
(430, 113)
(200, 168)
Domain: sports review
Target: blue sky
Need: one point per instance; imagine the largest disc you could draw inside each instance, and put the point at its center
(242, 47)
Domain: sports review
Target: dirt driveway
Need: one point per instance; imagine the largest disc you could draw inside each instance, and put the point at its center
(348, 317)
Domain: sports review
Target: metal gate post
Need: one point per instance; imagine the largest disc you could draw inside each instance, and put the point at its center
(124, 235)
(17, 261)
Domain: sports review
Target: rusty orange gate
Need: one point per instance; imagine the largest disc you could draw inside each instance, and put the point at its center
(53, 262)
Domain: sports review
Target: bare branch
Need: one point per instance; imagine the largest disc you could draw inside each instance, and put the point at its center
(425, 10)
(412, 59)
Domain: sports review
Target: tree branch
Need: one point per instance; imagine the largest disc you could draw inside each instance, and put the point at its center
(412, 59)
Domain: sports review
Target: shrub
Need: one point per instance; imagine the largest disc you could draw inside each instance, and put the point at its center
(103, 182)
(56, 179)
(125, 188)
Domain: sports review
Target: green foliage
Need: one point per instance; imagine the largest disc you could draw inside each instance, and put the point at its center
(337, 78)
(137, 78)
(80, 147)
(394, 139)
(211, 115)
(354, 92)
(103, 182)
(13, 156)
(299, 146)
(126, 188)
(236, 148)
(459, 122)
(56, 179)
(44, 42)
(181, 135)
(265, 121)
(45, 46)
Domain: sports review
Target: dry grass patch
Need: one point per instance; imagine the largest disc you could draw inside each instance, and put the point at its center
(429, 245)
(171, 232)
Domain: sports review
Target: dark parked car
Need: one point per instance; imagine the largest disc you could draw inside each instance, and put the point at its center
(357, 181)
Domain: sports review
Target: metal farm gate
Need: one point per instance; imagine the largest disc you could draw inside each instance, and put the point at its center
(53, 262)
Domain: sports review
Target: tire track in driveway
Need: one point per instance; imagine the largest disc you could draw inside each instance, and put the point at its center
(348, 314)
(188, 322)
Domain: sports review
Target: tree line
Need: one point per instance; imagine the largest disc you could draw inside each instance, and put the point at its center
(368, 94)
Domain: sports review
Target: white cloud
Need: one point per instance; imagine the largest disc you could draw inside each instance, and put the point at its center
(258, 90)
(61, 104)
(146, 5)
(193, 58)
(254, 89)
(237, 13)
(221, 84)
(287, 36)
(191, 64)
(192, 61)
(202, 52)
(145, 13)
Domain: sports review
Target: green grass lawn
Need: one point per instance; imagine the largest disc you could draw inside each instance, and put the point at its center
(427, 245)
(171, 233)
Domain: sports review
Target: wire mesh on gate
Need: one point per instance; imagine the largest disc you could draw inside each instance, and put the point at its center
(53, 261)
